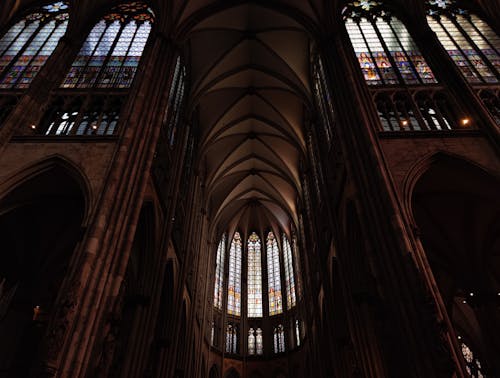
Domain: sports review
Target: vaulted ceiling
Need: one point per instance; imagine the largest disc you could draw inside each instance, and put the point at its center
(250, 82)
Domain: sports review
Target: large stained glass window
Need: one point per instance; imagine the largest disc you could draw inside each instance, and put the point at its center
(254, 277)
(273, 276)
(27, 45)
(385, 50)
(234, 279)
(110, 56)
(291, 298)
(219, 273)
(470, 42)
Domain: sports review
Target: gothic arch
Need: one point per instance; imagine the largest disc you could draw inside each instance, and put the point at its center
(419, 168)
(42, 212)
(455, 206)
(51, 163)
(214, 372)
(232, 373)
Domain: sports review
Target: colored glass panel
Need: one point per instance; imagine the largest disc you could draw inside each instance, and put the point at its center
(470, 42)
(259, 342)
(251, 341)
(219, 273)
(27, 45)
(110, 56)
(384, 47)
(289, 275)
(234, 279)
(273, 276)
(254, 277)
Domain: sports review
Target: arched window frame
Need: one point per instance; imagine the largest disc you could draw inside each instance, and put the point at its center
(289, 273)
(251, 341)
(259, 342)
(232, 338)
(279, 339)
(461, 33)
(370, 24)
(27, 45)
(219, 273)
(234, 277)
(254, 277)
(112, 51)
(273, 276)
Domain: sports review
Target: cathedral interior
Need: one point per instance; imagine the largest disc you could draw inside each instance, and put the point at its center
(250, 188)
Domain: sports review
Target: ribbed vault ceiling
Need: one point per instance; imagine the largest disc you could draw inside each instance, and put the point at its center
(250, 84)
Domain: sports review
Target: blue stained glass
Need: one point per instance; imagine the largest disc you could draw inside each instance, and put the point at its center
(25, 48)
(383, 45)
(11, 35)
(111, 54)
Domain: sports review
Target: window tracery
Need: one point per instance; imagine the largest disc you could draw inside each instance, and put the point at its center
(289, 275)
(27, 45)
(473, 365)
(386, 52)
(279, 339)
(219, 272)
(251, 341)
(175, 101)
(110, 56)
(234, 279)
(259, 342)
(254, 277)
(273, 276)
(231, 339)
(471, 43)
(77, 115)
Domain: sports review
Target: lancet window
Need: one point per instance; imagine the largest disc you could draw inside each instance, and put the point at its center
(280, 264)
(291, 298)
(28, 44)
(234, 279)
(231, 339)
(273, 276)
(219, 273)
(279, 339)
(110, 56)
(471, 43)
(254, 277)
(386, 52)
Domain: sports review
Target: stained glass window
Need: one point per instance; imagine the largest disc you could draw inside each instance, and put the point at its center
(254, 277)
(323, 98)
(219, 273)
(473, 365)
(470, 42)
(385, 50)
(279, 339)
(234, 279)
(251, 341)
(212, 334)
(296, 258)
(291, 298)
(259, 342)
(273, 276)
(27, 45)
(175, 101)
(231, 339)
(110, 56)
(297, 332)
